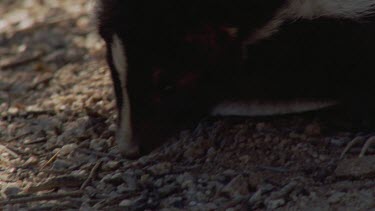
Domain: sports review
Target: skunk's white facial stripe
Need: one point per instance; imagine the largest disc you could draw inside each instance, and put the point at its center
(269, 108)
(119, 59)
(124, 133)
(312, 9)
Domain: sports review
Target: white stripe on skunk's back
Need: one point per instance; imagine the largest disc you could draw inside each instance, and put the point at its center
(310, 9)
(269, 108)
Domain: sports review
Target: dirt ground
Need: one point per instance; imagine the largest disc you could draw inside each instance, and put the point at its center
(57, 121)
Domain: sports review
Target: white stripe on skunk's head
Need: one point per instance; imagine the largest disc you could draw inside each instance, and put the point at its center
(119, 59)
(313, 9)
(124, 137)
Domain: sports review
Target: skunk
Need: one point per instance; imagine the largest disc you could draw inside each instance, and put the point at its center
(174, 62)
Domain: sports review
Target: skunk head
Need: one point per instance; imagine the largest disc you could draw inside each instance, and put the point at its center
(168, 61)
(172, 61)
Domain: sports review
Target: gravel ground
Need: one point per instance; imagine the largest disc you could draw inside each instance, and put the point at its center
(58, 151)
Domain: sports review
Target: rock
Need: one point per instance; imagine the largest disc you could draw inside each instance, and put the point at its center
(258, 197)
(114, 179)
(141, 202)
(51, 143)
(123, 188)
(194, 152)
(211, 152)
(167, 189)
(229, 173)
(255, 179)
(55, 56)
(145, 180)
(32, 161)
(10, 190)
(273, 204)
(126, 203)
(159, 183)
(172, 202)
(130, 181)
(63, 181)
(219, 178)
(336, 197)
(284, 191)
(237, 186)
(110, 165)
(356, 167)
(189, 184)
(192, 203)
(244, 159)
(67, 149)
(90, 191)
(211, 206)
(201, 197)
(160, 169)
(184, 177)
(73, 131)
(61, 165)
(98, 144)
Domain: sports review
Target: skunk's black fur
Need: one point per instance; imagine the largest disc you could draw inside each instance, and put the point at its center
(188, 46)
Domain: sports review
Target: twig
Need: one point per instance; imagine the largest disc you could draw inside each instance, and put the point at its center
(91, 175)
(273, 169)
(37, 141)
(113, 200)
(2, 147)
(19, 136)
(43, 81)
(27, 113)
(47, 23)
(20, 62)
(51, 159)
(56, 182)
(49, 196)
(96, 153)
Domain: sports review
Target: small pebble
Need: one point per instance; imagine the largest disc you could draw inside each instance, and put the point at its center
(98, 144)
(60, 164)
(126, 203)
(110, 165)
(237, 186)
(67, 149)
(336, 197)
(160, 168)
(10, 190)
(273, 204)
(31, 161)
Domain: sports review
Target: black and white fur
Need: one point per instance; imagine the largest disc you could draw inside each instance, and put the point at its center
(263, 58)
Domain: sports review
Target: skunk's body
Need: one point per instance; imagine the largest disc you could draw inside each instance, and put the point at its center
(173, 62)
